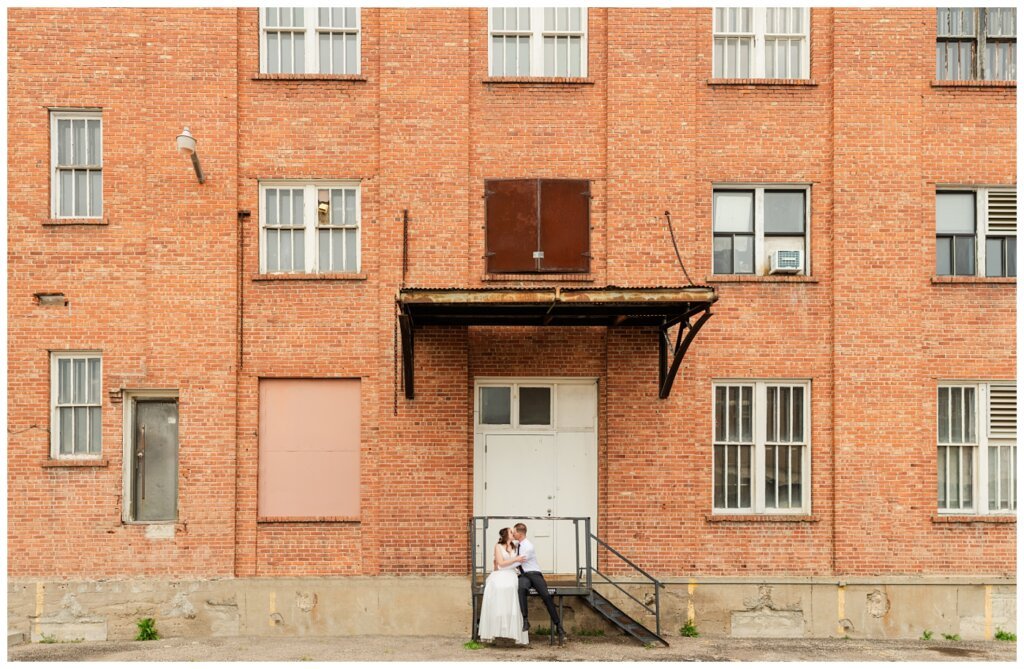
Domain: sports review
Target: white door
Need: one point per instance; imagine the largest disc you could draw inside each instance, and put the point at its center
(532, 462)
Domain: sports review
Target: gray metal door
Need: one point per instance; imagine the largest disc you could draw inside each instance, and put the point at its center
(155, 471)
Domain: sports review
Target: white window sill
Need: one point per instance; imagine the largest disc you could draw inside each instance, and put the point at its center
(974, 279)
(308, 519)
(568, 81)
(973, 84)
(76, 462)
(761, 518)
(973, 518)
(762, 82)
(331, 276)
(308, 76)
(757, 278)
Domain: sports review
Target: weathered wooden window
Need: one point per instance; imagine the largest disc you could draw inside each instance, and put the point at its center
(77, 160)
(976, 43)
(309, 448)
(537, 225)
(75, 420)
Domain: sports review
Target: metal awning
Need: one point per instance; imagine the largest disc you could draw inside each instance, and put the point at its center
(662, 307)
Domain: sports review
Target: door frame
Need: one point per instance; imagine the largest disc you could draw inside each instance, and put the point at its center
(129, 398)
(480, 432)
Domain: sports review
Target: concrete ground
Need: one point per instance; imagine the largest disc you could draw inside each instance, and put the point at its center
(368, 648)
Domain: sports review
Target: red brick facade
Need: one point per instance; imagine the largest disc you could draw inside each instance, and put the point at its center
(168, 287)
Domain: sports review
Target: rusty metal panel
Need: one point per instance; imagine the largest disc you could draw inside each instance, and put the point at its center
(511, 225)
(565, 225)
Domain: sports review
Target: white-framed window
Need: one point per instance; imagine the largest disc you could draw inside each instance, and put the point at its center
(537, 41)
(76, 150)
(309, 227)
(976, 43)
(76, 425)
(761, 447)
(310, 40)
(752, 222)
(761, 43)
(977, 447)
(976, 231)
(516, 405)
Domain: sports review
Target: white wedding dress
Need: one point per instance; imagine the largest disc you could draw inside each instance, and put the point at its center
(500, 616)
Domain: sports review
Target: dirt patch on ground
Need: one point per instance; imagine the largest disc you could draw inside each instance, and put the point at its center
(369, 648)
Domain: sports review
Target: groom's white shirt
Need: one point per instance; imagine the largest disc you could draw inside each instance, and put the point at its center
(526, 550)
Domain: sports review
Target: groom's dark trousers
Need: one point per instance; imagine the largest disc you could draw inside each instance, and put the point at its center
(535, 579)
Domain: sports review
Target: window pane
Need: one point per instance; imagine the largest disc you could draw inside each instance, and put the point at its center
(967, 469)
(944, 256)
(67, 190)
(78, 145)
(719, 474)
(956, 410)
(63, 381)
(81, 440)
(271, 207)
(783, 212)
(286, 250)
(743, 256)
(350, 17)
(734, 211)
(95, 142)
(81, 192)
(79, 381)
(796, 477)
(562, 57)
(798, 415)
(497, 55)
(338, 251)
(1011, 256)
(299, 250)
(734, 413)
(575, 17)
(718, 57)
(720, 434)
(943, 465)
(285, 207)
(65, 437)
(273, 255)
(770, 499)
(95, 193)
(943, 415)
(497, 18)
(954, 213)
(575, 57)
(95, 430)
(297, 206)
(510, 56)
(773, 409)
(963, 260)
(782, 457)
(94, 381)
(723, 255)
(271, 17)
(324, 251)
(496, 405)
(994, 256)
(746, 414)
(351, 251)
(273, 52)
(970, 417)
(351, 54)
(350, 208)
(534, 406)
(325, 51)
(63, 141)
(953, 463)
(745, 452)
(784, 414)
(286, 53)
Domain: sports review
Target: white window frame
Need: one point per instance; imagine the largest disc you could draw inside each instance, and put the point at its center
(309, 220)
(62, 115)
(760, 260)
(537, 34)
(760, 427)
(981, 224)
(56, 356)
(311, 29)
(759, 21)
(982, 393)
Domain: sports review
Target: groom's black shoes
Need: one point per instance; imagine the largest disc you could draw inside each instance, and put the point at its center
(526, 625)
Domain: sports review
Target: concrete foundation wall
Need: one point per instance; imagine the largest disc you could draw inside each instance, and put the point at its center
(889, 608)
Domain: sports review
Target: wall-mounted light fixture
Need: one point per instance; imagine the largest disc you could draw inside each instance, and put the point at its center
(187, 145)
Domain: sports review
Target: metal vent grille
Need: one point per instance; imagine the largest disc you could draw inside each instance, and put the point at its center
(1002, 412)
(1002, 210)
(788, 260)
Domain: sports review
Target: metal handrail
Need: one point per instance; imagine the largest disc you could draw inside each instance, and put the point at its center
(655, 582)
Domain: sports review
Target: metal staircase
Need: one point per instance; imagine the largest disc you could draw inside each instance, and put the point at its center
(582, 584)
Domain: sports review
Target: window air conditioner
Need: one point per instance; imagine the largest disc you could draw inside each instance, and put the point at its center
(787, 262)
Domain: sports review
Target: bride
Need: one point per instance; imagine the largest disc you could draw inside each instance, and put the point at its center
(500, 616)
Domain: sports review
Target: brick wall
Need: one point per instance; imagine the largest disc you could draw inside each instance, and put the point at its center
(163, 288)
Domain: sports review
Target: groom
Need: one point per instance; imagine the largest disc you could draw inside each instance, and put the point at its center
(530, 577)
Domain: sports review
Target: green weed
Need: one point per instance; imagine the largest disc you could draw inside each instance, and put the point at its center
(147, 630)
(472, 645)
(1002, 635)
(689, 629)
(951, 637)
(47, 638)
(926, 635)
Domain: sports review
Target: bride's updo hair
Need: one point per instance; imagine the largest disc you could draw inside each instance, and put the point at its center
(504, 536)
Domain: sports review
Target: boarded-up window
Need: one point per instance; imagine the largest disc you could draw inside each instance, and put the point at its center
(309, 448)
(538, 225)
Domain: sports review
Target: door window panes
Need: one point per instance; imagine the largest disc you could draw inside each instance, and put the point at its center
(534, 406)
(496, 405)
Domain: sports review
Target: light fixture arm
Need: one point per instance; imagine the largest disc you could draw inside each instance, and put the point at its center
(198, 169)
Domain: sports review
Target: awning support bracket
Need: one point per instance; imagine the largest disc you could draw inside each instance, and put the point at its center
(687, 331)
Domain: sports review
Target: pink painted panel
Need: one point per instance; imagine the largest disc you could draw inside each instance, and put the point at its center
(309, 447)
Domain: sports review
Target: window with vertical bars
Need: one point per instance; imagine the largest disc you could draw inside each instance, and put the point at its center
(538, 41)
(309, 228)
(761, 42)
(310, 40)
(76, 424)
(974, 43)
(977, 448)
(761, 439)
(77, 141)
